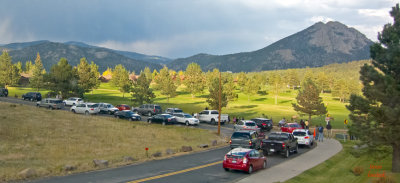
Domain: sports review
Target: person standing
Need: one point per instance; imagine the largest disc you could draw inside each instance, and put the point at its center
(302, 124)
(306, 123)
(320, 133)
(329, 130)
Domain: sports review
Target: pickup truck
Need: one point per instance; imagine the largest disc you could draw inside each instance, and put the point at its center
(211, 116)
(280, 142)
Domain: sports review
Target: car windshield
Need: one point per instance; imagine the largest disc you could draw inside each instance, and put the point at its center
(78, 99)
(188, 116)
(236, 154)
(250, 124)
(92, 106)
(178, 110)
(294, 125)
(167, 116)
(302, 134)
(110, 106)
(130, 112)
(241, 135)
(157, 107)
(56, 101)
(276, 136)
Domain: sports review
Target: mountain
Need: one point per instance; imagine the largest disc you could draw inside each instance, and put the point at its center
(51, 52)
(318, 45)
(133, 55)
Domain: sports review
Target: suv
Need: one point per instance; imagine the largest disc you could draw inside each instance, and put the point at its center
(245, 138)
(107, 108)
(263, 123)
(148, 109)
(32, 96)
(173, 110)
(245, 125)
(51, 103)
(73, 101)
(3, 92)
(85, 108)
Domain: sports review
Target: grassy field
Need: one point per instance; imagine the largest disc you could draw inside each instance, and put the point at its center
(258, 104)
(47, 141)
(339, 168)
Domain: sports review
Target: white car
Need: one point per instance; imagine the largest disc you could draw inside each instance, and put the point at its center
(73, 101)
(186, 118)
(304, 137)
(245, 125)
(86, 108)
(107, 108)
(211, 116)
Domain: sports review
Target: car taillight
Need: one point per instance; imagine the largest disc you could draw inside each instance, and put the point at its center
(91, 109)
(307, 137)
(283, 145)
(169, 119)
(244, 160)
(264, 124)
(154, 110)
(225, 158)
(230, 141)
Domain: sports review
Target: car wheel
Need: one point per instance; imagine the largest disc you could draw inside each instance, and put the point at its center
(149, 114)
(250, 169)
(109, 112)
(86, 112)
(213, 121)
(187, 123)
(130, 119)
(265, 152)
(37, 105)
(73, 111)
(287, 153)
(226, 169)
(31, 99)
(118, 117)
(51, 108)
(265, 165)
(149, 121)
(115, 116)
(163, 123)
(297, 148)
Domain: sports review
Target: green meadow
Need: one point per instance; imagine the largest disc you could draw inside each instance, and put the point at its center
(242, 107)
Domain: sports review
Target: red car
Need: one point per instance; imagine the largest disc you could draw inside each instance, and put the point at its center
(289, 127)
(122, 107)
(244, 159)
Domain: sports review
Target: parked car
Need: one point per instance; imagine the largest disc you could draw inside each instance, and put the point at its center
(245, 138)
(164, 119)
(289, 127)
(304, 137)
(127, 114)
(73, 101)
(186, 119)
(245, 125)
(51, 103)
(280, 142)
(148, 109)
(263, 123)
(243, 159)
(211, 116)
(86, 108)
(122, 107)
(107, 108)
(32, 96)
(173, 110)
(3, 92)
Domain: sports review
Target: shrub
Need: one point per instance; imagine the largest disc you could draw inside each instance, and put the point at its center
(16, 96)
(357, 170)
(386, 179)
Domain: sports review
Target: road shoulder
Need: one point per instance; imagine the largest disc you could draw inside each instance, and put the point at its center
(298, 165)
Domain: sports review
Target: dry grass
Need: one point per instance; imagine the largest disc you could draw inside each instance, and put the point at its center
(48, 140)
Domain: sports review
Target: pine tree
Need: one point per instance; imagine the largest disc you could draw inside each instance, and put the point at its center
(9, 75)
(165, 83)
(141, 91)
(88, 75)
(251, 87)
(148, 73)
(194, 79)
(308, 100)
(213, 97)
(94, 69)
(376, 115)
(37, 79)
(28, 67)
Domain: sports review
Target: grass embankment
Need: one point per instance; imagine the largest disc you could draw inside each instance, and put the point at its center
(242, 107)
(339, 168)
(46, 140)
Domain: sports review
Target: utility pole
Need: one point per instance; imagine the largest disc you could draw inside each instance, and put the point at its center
(219, 105)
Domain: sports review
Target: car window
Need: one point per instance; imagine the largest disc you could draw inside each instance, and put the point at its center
(286, 125)
(177, 111)
(214, 112)
(250, 124)
(158, 107)
(81, 105)
(241, 135)
(236, 154)
(179, 115)
(256, 154)
(80, 99)
(240, 123)
(277, 136)
(252, 154)
(301, 134)
(188, 116)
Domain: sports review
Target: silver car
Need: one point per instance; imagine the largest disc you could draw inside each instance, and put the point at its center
(51, 103)
(245, 125)
(86, 108)
(107, 108)
(186, 119)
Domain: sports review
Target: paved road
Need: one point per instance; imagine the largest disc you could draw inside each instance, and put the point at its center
(197, 167)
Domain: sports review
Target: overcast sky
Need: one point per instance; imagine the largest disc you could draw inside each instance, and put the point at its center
(182, 28)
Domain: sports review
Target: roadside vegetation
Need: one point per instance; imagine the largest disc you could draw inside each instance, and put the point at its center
(351, 166)
(47, 141)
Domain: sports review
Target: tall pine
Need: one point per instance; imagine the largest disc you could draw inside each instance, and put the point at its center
(141, 91)
(308, 100)
(37, 79)
(376, 115)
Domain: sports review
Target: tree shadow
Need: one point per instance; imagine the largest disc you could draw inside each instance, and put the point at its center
(285, 101)
(261, 99)
(245, 106)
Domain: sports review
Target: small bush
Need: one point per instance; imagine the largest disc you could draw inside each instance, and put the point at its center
(13, 105)
(16, 96)
(357, 170)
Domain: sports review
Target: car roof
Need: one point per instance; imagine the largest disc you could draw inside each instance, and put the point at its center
(261, 118)
(245, 131)
(280, 133)
(300, 130)
(240, 149)
(292, 123)
(247, 121)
